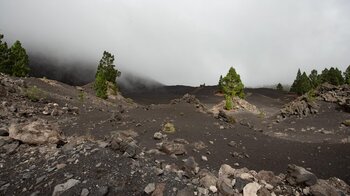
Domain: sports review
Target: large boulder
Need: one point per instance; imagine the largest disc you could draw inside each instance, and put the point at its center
(36, 132)
(299, 175)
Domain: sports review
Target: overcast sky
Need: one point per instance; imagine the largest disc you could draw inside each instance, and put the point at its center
(187, 41)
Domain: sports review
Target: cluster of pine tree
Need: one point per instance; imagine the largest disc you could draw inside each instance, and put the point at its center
(232, 86)
(106, 75)
(304, 83)
(14, 60)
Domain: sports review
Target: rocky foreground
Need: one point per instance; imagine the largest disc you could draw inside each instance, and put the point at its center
(36, 158)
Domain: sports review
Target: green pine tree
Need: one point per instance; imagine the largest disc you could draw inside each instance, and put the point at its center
(296, 83)
(5, 66)
(279, 87)
(108, 68)
(106, 75)
(19, 60)
(220, 84)
(347, 75)
(315, 79)
(232, 84)
(100, 85)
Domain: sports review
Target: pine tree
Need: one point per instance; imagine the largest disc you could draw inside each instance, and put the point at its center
(19, 60)
(296, 83)
(5, 66)
(100, 85)
(347, 75)
(106, 75)
(108, 68)
(315, 78)
(232, 84)
(332, 76)
(305, 84)
(279, 87)
(220, 83)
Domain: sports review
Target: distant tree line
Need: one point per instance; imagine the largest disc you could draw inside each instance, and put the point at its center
(14, 60)
(303, 83)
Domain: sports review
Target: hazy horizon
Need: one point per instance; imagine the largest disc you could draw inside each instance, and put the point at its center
(186, 42)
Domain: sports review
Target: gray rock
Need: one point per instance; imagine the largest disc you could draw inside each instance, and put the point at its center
(225, 188)
(103, 190)
(208, 180)
(150, 188)
(269, 177)
(36, 132)
(158, 136)
(185, 192)
(263, 192)
(299, 175)
(10, 147)
(173, 148)
(84, 192)
(322, 188)
(240, 184)
(251, 189)
(3, 132)
(61, 188)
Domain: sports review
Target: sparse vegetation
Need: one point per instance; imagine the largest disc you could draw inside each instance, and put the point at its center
(346, 123)
(169, 128)
(231, 84)
(106, 76)
(13, 61)
(311, 95)
(34, 93)
(81, 96)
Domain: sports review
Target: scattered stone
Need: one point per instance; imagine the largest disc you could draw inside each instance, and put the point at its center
(208, 180)
(173, 148)
(61, 188)
(159, 190)
(3, 132)
(158, 136)
(251, 189)
(299, 175)
(225, 188)
(204, 158)
(213, 189)
(150, 188)
(322, 188)
(185, 192)
(103, 190)
(84, 192)
(36, 132)
(226, 171)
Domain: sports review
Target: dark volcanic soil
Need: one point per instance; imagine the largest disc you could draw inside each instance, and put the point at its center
(256, 142)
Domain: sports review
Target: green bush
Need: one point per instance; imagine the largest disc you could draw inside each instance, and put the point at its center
(34, 93)
(169, 128)
(81, 96)
(228, 102)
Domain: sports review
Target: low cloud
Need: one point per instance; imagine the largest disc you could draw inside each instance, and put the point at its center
(188, 41)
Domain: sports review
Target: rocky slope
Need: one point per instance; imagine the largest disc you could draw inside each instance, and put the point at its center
(46, 149)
